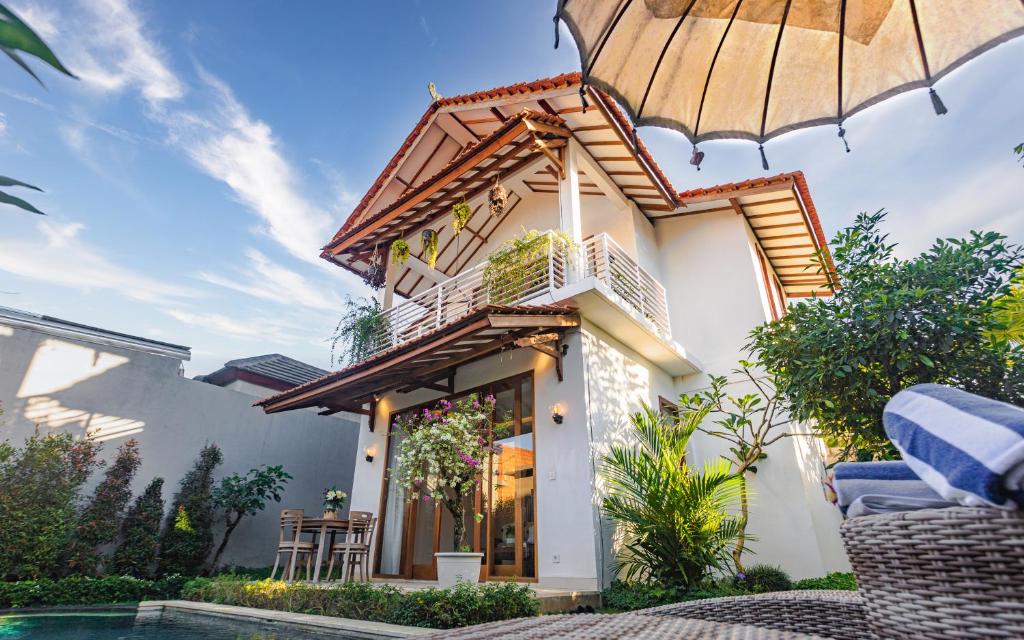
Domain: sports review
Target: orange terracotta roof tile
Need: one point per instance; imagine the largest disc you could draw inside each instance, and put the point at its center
(469, 318)
(512, 121)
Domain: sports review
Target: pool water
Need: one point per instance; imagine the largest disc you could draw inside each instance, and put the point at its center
(126, 625)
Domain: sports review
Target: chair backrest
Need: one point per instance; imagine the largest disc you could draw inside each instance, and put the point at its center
(291, 524)
(360, 523)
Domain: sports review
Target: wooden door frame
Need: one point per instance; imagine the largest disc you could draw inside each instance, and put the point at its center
(408, 526)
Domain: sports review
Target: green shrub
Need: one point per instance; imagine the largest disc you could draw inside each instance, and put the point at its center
(140, 534)
(188, 533)
(80, 590)
(97, 524)
(675, 518)
(762, 578)
(841, 581)
(38, 487)
(462, 605)
(629, 596)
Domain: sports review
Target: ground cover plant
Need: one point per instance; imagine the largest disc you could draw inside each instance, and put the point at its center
(462, 605)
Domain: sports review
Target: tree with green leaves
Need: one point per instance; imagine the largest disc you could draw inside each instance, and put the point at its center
(748, 424)
(98, 521)
(188, 533)
(239, 496)
(140, 534)
(675, 519)
(39, 486)
(891, 323)
(15, 37)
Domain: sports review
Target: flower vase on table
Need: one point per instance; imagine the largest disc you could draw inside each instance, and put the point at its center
(334, 500)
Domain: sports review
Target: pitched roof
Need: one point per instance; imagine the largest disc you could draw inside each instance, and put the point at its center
(562, 81)
(272, 365)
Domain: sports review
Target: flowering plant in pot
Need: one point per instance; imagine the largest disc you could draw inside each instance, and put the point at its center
(334, 501)
(440, 459)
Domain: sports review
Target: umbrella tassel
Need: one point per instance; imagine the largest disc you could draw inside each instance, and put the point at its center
(940, 109)
(635, 145)
(697, 157)
(555, 20)
(764, 158)
(583, 97)
(842, 135)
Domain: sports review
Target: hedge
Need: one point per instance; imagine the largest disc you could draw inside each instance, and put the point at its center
(459, 606)
(79, 590)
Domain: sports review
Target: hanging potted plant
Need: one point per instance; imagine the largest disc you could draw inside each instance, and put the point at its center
(376, 274)
(400, 251)
(429, 239)
(461, 213)
(441, 459)
(497, 198)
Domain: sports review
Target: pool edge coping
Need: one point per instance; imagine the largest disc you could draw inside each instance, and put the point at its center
(358, 628)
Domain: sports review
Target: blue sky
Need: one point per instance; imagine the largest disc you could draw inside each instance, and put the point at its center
(210, 148)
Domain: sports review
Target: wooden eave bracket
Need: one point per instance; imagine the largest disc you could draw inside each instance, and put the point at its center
(549, 344)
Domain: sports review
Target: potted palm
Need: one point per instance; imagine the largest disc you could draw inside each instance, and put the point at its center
(440, 459)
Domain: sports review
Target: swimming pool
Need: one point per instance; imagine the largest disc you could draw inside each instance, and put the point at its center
(127, 625)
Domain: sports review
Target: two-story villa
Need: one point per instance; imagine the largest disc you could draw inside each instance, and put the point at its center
(662, 290)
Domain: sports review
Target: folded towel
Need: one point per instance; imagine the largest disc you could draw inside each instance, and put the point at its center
(866, 488)
(968, 448)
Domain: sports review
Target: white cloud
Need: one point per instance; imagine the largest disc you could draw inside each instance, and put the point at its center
(259, 329)
(58, 255)
(43, 20)
(118, 55)
(230, 145)
(263, 278)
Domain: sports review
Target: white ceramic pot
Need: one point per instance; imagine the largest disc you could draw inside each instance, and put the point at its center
(455, 567)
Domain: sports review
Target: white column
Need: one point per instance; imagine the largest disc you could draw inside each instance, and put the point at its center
(386, 296)
(569, 215)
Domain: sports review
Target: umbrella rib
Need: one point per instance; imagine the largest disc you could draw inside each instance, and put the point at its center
(920, 41)
(664, 50)
(607, 36)
(711, 69)
(771, 69)
(839, 72)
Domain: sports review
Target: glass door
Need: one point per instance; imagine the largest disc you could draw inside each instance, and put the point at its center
(412, 533)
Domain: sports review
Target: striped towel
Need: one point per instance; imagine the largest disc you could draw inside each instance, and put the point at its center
(970, 449)
(867, 488)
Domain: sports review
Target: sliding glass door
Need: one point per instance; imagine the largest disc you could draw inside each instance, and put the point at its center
(506, 496)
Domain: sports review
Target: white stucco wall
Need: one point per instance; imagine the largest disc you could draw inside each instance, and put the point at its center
(62, 384)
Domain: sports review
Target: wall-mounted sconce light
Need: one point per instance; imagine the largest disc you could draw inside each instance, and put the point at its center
(556, 413)
(370, 452)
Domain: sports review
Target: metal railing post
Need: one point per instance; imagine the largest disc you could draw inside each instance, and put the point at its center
(440, 315)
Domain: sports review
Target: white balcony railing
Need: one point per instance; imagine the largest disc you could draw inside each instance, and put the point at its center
(602, 258)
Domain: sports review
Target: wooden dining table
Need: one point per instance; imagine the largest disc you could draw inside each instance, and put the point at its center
(322, 527)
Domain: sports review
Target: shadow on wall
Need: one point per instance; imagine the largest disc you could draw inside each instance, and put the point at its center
(111, 393)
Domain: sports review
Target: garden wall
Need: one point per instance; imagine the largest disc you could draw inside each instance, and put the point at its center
(56, 382)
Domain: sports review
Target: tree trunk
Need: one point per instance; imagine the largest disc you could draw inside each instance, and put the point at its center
(737, 552)
(458, 511)
(223, 544)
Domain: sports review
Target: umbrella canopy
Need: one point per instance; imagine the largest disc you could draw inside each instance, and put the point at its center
(755, 69)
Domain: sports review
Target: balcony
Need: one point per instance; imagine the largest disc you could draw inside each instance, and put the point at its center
(608, 286)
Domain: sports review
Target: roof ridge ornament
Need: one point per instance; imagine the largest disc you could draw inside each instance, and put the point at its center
(434, 95)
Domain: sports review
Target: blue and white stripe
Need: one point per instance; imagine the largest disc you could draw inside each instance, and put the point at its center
(970, 449)
(868, 488)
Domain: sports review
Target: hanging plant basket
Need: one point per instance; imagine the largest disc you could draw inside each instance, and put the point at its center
(461, 213)
(497, 199)
(376, 273)
(429, 238)
(400, 251)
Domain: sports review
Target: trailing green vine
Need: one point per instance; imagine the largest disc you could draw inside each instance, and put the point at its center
(429, 239)
(461, 213)
(512, 268)
(400, 251)
(362, 330)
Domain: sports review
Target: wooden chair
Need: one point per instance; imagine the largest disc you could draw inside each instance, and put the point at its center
(290, 542)
(354, 552)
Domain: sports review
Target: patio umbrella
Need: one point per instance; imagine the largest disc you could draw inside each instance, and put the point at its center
(755, 69)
